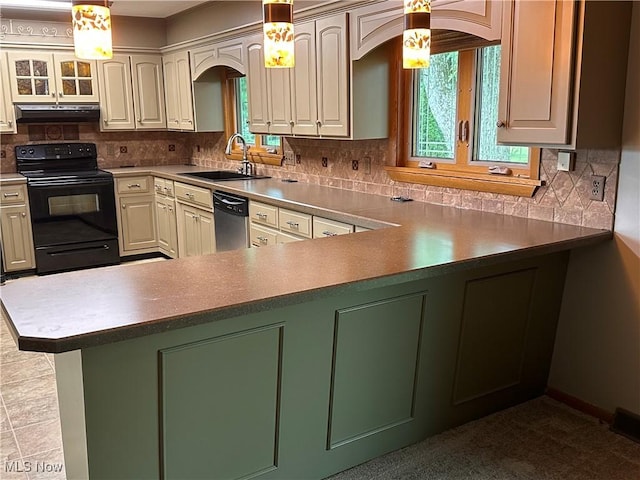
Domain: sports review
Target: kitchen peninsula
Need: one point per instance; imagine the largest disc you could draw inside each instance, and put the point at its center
(303, 359)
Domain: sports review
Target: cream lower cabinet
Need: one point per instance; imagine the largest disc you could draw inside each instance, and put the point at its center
(136, 215)
(196, 234)
(166, 217)
(324, 227)
(15, 220)
(195, 231)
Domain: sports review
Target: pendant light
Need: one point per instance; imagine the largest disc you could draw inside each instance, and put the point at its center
(278, 33)
(416, 38)
(92, 29)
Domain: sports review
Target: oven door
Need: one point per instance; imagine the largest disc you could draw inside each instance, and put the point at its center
(74, 223)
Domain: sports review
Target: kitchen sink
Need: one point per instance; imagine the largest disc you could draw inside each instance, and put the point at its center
(222, 175)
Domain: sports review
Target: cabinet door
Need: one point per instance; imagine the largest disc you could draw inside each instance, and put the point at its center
(148, 92)
(138, 227)
(32, 77)
(206, 232)
(76, 80)
(116, 95)
(257, 86)
(171, 90)
(7, 113)
(279, 101)
(535, 82)
(332, 76)
(17, 241)
(303, 86)
(166, 224)
(185, 94)
(188, 231)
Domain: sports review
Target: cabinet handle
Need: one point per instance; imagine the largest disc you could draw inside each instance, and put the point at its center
(195, 217)
(7, 195)
(10, 124)
(176, 121)
(133, 185)
(189, 195)
(327, 233)
(261, 215)
(53, 94)
(189, 121)
(171, 209)
(293, 224)
(263, 240)
(501, 124)
(60, 94)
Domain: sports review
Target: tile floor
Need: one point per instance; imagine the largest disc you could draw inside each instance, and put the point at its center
(30, 438)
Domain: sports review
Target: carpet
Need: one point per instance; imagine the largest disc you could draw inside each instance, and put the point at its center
(541, 439)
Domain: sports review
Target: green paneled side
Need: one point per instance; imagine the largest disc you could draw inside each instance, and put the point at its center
(494, 322)
(386, 357)
(375, 356)
(220, 405)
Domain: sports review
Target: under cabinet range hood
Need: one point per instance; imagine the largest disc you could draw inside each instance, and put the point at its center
(54, 113)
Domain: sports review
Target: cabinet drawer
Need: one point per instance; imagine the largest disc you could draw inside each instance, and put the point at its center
(287, 238)
(133, 185)
(262, 236)
(162, 186)
(262, 213)
(13, 194)
(194, 195)
(323, 227)
(294, 222)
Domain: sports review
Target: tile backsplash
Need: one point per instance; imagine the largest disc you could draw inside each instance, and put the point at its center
(564, 198)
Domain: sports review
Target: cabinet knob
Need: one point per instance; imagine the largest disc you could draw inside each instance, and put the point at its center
(106, 122)
(138, 120)
(124, 206)
(501, 124)
(60, 94)
(292, 123)
(319, 123)
(24, 214)
(53, 94)
(10, 124)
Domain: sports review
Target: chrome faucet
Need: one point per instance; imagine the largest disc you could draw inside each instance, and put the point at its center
(247, 167)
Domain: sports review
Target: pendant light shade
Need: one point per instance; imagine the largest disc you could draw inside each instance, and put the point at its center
(278, 33)
(416, 38)
(92, 29)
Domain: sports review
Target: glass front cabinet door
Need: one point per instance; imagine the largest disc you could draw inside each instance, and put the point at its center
(51, 77)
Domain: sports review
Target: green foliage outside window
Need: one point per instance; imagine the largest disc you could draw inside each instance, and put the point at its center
(242, 113)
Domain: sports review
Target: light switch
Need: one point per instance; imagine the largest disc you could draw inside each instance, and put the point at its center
(566, 161)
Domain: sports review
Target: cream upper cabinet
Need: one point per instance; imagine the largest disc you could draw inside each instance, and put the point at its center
(332, 76)
(178, 91)
(563, 73)
(536, 68)
(372, 25)
(320, 86)
(131, 93)
(257, 86)
(148, 92)
(116, 94)
(7, 113)
(45, 77)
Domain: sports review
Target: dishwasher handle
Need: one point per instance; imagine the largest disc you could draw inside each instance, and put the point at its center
(232, 204)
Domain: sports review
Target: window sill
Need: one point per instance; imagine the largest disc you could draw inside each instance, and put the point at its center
(258, 157)
(521, 187)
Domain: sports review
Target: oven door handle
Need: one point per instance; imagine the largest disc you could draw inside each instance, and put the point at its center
(73, 251)
(69, 183)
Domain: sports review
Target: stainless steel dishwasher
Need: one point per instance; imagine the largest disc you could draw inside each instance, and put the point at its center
(231, 220)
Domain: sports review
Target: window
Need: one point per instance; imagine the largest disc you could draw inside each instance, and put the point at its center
(262, 148)
(447, 133)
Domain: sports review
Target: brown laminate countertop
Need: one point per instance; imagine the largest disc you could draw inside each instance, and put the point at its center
(84, 308)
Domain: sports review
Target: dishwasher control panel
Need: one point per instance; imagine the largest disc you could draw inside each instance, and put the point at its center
(233, 204)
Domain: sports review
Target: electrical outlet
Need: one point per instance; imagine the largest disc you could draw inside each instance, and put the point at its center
(366, 165)
(289, 158)
(325, 162)
(355, 164)
(597, 187)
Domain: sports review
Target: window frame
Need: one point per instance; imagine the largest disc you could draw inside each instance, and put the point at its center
(461, 172)
(256, 153)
